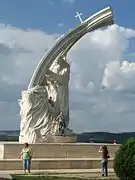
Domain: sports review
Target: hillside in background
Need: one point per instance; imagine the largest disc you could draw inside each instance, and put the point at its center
(98, 137)
(105, 137)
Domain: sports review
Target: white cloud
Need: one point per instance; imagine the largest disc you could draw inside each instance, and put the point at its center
(102, 91)
(69, 1)
(20, 50)
(51, 2)
(119, 75)
(60, 24)
(95, 61)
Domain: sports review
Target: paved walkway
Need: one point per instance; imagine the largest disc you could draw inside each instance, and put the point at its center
(80, 173)
(57, 171)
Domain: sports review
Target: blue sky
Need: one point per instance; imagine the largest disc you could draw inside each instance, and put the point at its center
(57, 16)
(46, 14)
(93, 108)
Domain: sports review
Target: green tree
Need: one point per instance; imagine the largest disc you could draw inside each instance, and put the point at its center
(124, 162)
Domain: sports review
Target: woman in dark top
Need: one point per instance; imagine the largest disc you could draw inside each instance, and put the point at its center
(105, 156)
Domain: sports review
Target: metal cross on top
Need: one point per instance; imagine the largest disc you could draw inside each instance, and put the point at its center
(78, 15)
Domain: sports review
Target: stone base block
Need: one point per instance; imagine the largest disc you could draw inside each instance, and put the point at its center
(43, 164)
(56, 139)
(62, 139)
(55, 156)
(56, 150)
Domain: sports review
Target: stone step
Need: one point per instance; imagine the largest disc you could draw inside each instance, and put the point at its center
(56, 163)
(57, 171)
(54, 150)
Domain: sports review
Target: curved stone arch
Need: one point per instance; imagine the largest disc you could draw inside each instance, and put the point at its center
(63, 44)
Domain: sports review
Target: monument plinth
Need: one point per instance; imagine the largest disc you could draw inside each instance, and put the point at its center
(44, 107)
(55, 156)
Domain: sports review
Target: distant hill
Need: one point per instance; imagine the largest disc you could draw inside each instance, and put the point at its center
(10, 133)
(98, 137)
(105, 137)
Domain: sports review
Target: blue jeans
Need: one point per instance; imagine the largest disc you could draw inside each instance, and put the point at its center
(104, 167)
(26, 164)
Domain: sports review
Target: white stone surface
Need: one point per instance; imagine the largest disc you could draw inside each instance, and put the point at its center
(38, 116)
(50, 79)
(63, 44)
(1, 151)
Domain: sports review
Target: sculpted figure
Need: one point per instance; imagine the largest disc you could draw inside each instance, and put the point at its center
(36, 115)
(59, 125)
(60, 73)
(40, 106)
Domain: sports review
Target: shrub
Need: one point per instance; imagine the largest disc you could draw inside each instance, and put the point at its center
(124, 162)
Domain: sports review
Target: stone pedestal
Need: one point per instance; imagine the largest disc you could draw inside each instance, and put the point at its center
(62, 139)
(55, 139)
(55, 155)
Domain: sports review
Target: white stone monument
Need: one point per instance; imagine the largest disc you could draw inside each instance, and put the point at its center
(41, 105)
(44, 107)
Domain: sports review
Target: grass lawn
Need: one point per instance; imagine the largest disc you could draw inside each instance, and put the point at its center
(21, 177)
(41, 178)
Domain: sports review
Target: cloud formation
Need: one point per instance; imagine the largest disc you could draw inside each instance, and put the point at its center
(51, 2)
(60, 24)
(102, 90)
(69, 1)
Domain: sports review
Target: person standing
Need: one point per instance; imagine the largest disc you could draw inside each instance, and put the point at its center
(114, 142)
(104, 162)
(26, 155)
